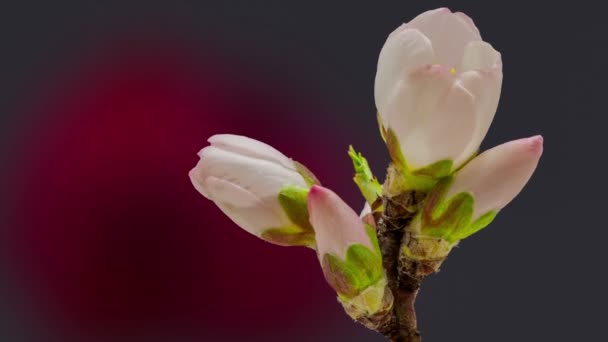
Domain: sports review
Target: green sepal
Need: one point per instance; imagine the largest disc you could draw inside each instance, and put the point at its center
(361, 269)
(423, 179)
(368, 184)
(381, 126)
(373, 237)
(294, 201)
(308, 176)
(477, 225)
(451, 219)
(290, 236)
(436, 170)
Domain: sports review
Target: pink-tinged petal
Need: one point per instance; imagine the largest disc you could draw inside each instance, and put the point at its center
(485, 88)
(227, 192)
(251, 148)
(468, 21)
(261, 177)
(255, 220)
(336, 225)
(480, 55)
(198, 179)
(448, 32)
(404, 51)
(432, 116)
(497, 175)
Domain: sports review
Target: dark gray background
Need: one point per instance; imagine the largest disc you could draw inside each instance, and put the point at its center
(539, 275)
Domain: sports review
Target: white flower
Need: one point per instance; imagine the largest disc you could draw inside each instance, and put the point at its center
(244, 177)
(497, 175)
(437, 88)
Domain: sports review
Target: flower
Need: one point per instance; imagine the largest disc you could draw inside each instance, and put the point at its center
(465, 203)
(497, 175)
(349, 254)
(436, 90)
(258, 187)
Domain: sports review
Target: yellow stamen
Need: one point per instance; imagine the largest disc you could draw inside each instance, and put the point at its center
(453, 70)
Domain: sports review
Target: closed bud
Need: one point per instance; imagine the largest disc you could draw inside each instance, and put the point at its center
(468, 201)
(349, 254)
(256, 186)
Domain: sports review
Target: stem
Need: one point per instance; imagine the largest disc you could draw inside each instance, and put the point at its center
(406, 313)
(392, 227)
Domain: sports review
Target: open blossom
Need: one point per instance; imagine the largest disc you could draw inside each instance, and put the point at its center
(437, 88)
(258, 187)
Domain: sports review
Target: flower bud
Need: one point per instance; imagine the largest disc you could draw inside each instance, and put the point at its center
(258, 187)
(437, 89)
(465, 203)
(349, 254)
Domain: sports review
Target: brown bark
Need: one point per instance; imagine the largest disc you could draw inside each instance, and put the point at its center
(392, 227)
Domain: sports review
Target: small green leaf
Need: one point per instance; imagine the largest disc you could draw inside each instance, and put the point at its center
(293, 200)
(365, 180)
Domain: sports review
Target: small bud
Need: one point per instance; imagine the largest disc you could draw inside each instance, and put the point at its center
(364, 178)
(349, 254)
(258, 187)
(463, 204)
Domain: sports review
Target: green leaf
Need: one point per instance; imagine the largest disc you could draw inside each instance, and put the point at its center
(293, 200)
(365, 180)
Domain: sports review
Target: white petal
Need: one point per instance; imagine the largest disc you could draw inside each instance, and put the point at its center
(198, 179)
(480, 55)
(485, 88)
(469, 22)
(254, 220)
(367, 209)
(336, 225)
(405, 50)
(449, 33)
(432, 116)
(261, 177)
(497, 175)
(227, 192)
(250, 147)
